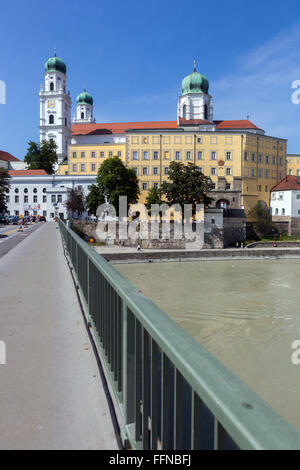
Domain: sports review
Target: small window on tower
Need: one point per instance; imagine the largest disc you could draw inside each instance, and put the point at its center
(51, 119)
(82, 115)
(51, 86)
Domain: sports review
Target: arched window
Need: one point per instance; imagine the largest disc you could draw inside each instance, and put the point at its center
(184, 111)
(51, 86)
(222, 204)
(82, 115)
(51, 119)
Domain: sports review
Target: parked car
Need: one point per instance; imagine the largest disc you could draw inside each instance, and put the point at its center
(13, 219)
(42, 219)
(3, 219)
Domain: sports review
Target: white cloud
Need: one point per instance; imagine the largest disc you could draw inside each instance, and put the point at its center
(261, 86)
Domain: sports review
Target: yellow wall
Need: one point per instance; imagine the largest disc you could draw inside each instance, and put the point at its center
(91, 156)
(293, 165)
(258, 175)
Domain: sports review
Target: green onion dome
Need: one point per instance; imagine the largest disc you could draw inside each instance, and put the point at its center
(194, 83)
(85, 98)
(55, 64)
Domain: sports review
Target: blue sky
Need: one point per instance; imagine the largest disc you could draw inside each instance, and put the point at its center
(133, 56)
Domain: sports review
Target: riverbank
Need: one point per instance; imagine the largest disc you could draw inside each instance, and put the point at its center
(119, 255)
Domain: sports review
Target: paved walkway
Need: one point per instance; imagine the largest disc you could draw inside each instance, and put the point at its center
(51, 395)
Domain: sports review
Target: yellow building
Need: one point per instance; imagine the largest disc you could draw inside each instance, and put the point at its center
(243, 163)
(293, 165)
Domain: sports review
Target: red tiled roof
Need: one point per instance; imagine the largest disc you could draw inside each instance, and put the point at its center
(7, 157)
(193, 122)
(119, 127)
(122, 127)
(288, 183)
(240, 124)
(28, 173)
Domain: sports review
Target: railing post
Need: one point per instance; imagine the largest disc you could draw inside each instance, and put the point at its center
(89, 288)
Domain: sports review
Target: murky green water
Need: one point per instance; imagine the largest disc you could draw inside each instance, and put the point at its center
(246, 313)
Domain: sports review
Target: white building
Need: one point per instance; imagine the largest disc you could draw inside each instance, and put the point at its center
(285, 197)
(285, 204)
(33, 192)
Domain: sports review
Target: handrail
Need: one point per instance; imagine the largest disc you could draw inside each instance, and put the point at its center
(239, 414)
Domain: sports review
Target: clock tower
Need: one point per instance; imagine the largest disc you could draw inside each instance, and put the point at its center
(55, 107)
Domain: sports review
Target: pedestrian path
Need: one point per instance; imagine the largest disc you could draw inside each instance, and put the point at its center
(51, 394)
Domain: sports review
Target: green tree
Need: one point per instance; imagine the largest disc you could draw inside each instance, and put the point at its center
(94, 199)
(75, 202)
(186, 185)
(154, 196)
(41, 156)
(262, 218)
(115, 179)
(4, 186)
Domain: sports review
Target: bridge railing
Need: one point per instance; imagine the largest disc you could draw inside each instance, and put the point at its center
(172, 394)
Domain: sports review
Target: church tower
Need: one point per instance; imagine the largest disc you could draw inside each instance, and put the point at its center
(55, 107)
(84, 111)
(195, 103)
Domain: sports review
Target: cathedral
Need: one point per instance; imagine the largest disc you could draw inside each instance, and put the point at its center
(243, 162)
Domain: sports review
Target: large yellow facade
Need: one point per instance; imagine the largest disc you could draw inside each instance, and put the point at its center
(257, 162)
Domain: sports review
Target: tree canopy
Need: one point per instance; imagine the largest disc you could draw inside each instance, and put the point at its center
(186, 185)
(154, 196)
(94, 199)
(41, 156)
(4, 186)
(115, 179)
(262, 218)
(75, 202)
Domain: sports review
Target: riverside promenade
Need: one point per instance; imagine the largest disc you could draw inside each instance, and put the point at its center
(51, 393)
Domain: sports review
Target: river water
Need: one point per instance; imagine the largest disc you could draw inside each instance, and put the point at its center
(246, 313)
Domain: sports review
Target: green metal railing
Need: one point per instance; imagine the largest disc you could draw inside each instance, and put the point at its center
(171, 392)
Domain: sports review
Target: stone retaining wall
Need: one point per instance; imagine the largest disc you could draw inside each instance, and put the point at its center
(201, 255)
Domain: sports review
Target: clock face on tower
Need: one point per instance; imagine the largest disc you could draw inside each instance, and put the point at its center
(51, 104)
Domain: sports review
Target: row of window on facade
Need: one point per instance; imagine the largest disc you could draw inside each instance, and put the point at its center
(27, 213)
(35, 190)
(189, 140)
(279, 212)
(155, 170)
(146, 186)
(264, 160)
(101, 154)
(251, 172)
(178, 155)
(54, 198)
(280, 196)
(297, 172)
(188, 155)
